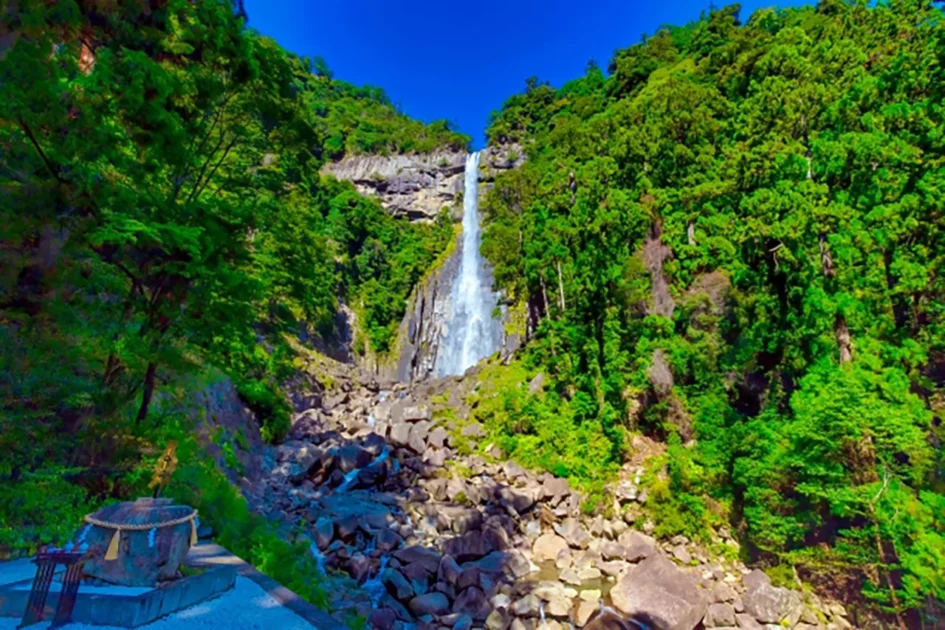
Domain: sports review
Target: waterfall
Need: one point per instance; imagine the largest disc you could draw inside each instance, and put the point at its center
(473, 333)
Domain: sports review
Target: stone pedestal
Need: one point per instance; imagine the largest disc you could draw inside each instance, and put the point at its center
(146, 556)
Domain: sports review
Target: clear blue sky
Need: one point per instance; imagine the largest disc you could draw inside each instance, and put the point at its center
(460, 60)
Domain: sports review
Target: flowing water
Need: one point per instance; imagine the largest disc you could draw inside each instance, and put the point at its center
(473, 333)
(352, 476)
(375, 586)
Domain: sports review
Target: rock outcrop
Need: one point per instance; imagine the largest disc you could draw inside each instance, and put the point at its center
(417, 186)
(414, 186)
(424, 324)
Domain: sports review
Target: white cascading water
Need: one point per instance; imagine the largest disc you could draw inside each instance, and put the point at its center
(472, 332)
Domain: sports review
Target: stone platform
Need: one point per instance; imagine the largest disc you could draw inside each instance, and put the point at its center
(117, 606)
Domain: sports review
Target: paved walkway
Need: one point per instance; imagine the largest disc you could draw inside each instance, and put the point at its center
(256, 601)
(211, 554)
(246, 606)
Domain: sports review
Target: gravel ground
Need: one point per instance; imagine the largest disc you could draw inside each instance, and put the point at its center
(245, 607)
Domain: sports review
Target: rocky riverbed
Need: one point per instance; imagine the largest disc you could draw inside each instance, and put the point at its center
(426, 537)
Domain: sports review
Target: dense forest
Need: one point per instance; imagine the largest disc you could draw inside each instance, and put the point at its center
(732, 242)
(729, 243)
(163, 214)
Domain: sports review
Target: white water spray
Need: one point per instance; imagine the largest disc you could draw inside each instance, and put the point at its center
(473, 333)
(375, 586)
(319, 558)
(352, 476)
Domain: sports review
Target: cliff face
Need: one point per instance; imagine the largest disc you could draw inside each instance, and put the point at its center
(425, 322)
(414, 186)
(419, 187)
(429, 311)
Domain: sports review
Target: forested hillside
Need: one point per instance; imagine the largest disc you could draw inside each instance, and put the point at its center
(732, 242)
(163, 215)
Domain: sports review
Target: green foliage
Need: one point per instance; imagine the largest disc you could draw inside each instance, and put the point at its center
(164, 212)
(546, 432)
(731, 243)
(41, 509)
(363, 119)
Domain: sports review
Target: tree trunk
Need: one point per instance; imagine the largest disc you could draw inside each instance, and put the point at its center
(149, 379)
(843, 339)
(561, 289)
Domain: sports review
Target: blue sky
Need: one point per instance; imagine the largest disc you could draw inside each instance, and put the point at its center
(460, 60)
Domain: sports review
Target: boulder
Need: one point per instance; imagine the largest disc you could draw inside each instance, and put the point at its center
(457, 518)
(558, 606)
(660, 595)
(433, 603)
(722, 592)
(412, 414)
(547, 547)
(351, 457)
(468, 576)
(324, 532)
(555, 487)
(465, 622)
(603, 619)
(437, 437)
(472, 601)
(771, 604)
(498, 619)
(519, 500)
(682, 554)
(448, 571)
(747, 622)
(755, 579)
(469, 546)
(397, 585)
(637, 545)
(564, 559)
(719, 616)
(415, 440)
(297, 460)
(513, 471)
(527, 606)
(613, 551)
(583, 612)
(382, 619)
(573, 532)
(496, 537)
(426, 558)
(400, 434)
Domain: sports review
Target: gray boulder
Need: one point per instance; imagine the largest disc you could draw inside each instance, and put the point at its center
(472, 601)
(771, 604)
(397, 584)
(572, 531)
(660, 595)
(638, 545)
(720, 616)
(400, 434)
(433, 603)
(427, 558)
(324, 532)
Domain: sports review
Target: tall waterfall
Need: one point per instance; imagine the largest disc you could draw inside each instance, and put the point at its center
(472, 332)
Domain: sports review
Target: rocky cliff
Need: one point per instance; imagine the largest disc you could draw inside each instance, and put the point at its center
(414, 186)
(419, 186)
